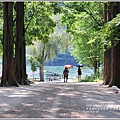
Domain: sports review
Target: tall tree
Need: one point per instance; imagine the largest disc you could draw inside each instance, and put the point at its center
(8, 77)
(41, 52)
(112, 54)
(106, 71)
(115, 53)
(20, 45)
(44, 51)
(1, 28)
(83, 21)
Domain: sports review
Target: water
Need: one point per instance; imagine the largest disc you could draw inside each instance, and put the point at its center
(59, 70)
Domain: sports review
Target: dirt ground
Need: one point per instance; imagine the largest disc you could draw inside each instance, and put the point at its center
(60, 100)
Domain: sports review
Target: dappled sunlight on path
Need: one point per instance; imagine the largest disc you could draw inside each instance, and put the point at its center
(59, 100)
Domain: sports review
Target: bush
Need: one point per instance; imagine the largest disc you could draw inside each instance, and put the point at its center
(92, 78)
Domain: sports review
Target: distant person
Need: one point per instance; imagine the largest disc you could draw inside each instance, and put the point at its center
(79, 74)
(65, 74)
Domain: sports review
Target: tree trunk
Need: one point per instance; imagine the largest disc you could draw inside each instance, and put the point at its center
(107, 52)
(20, 56)
(5, 46)
(113, 66)
(115, 55)
(111, 70)
(105, 48)
(33, 76)
(8, 46)
(117, 70)
(105, 12)
(41, 69)
(95, 66)
(107, 66)
(18, 47)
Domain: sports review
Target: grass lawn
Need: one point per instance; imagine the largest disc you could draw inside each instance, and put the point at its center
(88, 80)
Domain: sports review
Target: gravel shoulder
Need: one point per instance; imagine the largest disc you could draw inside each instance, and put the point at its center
(60, 100)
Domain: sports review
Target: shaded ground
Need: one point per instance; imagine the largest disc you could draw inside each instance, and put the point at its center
(59, 100)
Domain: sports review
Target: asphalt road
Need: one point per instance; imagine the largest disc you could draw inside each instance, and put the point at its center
(59, 100)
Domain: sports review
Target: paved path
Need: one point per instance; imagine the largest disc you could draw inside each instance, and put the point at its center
(59, 100)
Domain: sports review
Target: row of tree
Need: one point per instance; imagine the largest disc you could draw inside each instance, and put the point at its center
(90, 26)
(84, 22)
(14, 51)
(95, 29)
(29, 23)
(14, 68)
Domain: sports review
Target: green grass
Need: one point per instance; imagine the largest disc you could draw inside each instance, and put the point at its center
(75, 80)
(88, 80)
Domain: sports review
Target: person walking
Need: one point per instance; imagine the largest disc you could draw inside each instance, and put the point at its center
(79, 74)
(65, 74)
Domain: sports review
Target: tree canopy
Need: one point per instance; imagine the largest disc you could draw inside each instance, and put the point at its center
(83, 28)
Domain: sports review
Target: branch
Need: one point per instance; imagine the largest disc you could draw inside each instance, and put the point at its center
(45, 57)
(43, 51)
(28, 25)
(90, 13)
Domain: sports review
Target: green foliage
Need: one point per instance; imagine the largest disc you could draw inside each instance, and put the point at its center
(93, 78)
(93, 9)
(111, 31)
(33, 64)
(39, 22)
(62, 37)
(56, 7)
(84, 21)
(42, 51)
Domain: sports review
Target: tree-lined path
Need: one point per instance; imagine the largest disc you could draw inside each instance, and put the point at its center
(89, 30)
(60, 100)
